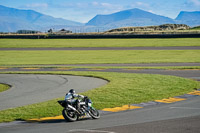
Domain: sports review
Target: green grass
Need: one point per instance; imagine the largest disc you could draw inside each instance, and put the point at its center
(195, 28)
(30, 43)
(95, 56)
(123, 88)
(3, 87)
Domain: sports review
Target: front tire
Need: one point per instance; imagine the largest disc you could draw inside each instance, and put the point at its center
(94, 113)
(69, 115)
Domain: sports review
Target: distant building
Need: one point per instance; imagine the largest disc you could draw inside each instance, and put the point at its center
(63, 31)
(50, 31)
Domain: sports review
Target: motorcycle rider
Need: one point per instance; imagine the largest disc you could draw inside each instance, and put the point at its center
(72, 97)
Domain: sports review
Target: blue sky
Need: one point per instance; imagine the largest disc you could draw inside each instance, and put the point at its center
(84, 10)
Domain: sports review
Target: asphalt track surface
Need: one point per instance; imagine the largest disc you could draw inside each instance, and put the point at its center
(178, 117)
(114, 65)
(29, 89)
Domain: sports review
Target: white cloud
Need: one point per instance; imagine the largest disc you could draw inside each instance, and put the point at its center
(142, 4)
(95, 3)
(36, 5)
(139, 3)
(195, 2)
(104, 7)
(107, 5)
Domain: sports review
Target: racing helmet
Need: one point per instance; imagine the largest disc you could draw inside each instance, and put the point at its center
(72, 91)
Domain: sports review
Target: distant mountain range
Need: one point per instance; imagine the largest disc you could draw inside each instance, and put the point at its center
(137, 17)
(12, 20)
(189, 18)
(133, 17)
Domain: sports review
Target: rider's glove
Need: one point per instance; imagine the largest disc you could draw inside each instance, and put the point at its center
(85, 97)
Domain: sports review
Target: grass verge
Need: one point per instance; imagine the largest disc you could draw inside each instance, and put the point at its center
(123, 88)
(30, 43)
(4, 87)
(98, 56)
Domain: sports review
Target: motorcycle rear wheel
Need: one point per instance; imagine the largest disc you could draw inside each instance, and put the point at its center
(69, 115)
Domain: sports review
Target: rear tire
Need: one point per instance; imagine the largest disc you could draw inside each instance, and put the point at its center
(94, 113)
(70, 115)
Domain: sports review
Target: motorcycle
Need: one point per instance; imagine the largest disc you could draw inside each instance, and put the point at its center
(71, 114)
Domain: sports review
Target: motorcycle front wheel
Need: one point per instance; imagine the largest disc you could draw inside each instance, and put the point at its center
(94, 113)
(69, 115)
